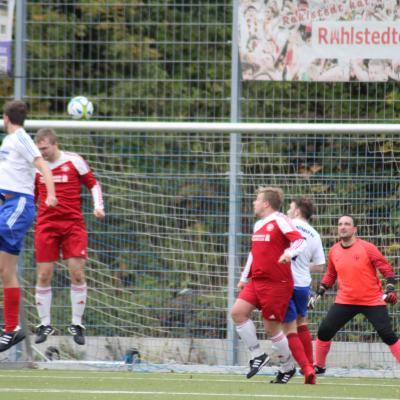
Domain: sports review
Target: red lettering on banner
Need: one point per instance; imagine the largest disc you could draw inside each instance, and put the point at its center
(394, 33)
(375, 37)
(359, 37)
(322, 33)
(335, 37)
(367, 32)
(386, 36)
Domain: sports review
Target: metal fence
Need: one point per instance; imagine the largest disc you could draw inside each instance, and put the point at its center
(172, 61)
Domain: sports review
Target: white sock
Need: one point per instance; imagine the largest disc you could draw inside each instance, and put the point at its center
(43, 296)
(78, 302)
(280, 346)
(247, 332)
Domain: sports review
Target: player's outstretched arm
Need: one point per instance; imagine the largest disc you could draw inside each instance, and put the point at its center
(41, 165)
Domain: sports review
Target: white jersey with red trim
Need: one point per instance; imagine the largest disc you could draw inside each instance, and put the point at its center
(69, 171)
(272, 237)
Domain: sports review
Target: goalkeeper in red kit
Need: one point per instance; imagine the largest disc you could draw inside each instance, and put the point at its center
(62, 230)
(355, 263)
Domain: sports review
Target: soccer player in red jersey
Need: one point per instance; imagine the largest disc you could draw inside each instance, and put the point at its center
(62, 229)
(275, 242)
(354, 263)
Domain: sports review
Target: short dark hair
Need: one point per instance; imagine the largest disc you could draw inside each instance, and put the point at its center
(355, 223)
(16, 111)
(305, 205)
(46, 133)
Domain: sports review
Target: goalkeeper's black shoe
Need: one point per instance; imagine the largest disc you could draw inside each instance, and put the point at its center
(284, 377)
(319, 370)
(9, 339)
(42, 332)
(77, 332)
(256, 364)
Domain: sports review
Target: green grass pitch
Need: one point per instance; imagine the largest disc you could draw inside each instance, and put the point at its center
(89, 385)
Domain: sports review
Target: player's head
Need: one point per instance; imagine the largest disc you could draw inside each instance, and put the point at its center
(14, 113)
(347, 227)
(301, 207)
(47, 142)
(269, 199)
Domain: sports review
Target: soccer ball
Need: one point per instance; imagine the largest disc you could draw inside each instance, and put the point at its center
(80, 107)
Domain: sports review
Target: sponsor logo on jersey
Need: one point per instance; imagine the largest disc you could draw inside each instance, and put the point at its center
(261, 238)
(56, 179)
(270, 227)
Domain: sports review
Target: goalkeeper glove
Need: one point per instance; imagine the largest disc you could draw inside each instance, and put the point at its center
(313, 300)
(390, 295)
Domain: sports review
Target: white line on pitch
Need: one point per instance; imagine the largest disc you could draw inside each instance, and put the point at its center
(132, 378)
(187, 394)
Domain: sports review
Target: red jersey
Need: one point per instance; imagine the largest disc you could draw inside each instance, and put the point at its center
(273, 236)
(356, 269)
(69, 171)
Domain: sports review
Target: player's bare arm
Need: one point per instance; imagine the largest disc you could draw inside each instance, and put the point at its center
(316, 268)
(41, 165)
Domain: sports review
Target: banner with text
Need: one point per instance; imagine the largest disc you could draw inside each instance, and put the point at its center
(6, 24)
(312, 40)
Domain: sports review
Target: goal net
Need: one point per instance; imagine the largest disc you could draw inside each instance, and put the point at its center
(158, 264)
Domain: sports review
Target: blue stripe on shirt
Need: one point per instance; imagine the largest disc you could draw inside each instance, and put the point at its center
(27, 144)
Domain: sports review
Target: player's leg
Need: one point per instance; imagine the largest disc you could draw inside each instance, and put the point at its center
(305, 337)
(16, 216)
(11, 290)
(240, 313)
(379, 318)
(47, 250)
(298, 306)
(280, 346)
(74, 249)
(43, 300)
(337, 316)
(275, 299)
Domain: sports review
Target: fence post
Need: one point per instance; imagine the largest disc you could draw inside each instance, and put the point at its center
(234, 188)
(20, 49)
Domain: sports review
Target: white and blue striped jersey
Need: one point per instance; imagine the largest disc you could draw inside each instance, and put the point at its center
(17, 171)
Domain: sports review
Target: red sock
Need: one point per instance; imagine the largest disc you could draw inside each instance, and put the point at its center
(321, 351)
(297, 349)
(12, 298)
(306, 339)
(395, 349)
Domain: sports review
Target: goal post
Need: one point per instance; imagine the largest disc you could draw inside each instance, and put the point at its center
(158, 264)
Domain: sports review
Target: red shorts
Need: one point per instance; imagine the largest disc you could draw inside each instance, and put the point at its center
(272, 298)
(69, 238)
